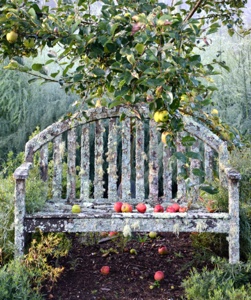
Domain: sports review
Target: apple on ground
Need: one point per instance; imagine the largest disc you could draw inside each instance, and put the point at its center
(141, 207)
(76, 209)
(126, 207)
(158, 208)
(159, 275)
(152, 234)
(112, 233)
(170, 209)
(162, 250)
(117, 206)
(105, 270)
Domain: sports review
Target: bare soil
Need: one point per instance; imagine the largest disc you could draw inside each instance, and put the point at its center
(131, 274)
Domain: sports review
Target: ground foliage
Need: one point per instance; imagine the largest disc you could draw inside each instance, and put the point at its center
(131, 272)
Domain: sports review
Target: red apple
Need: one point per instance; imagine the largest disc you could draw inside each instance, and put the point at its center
(105, 270)
(112, 233)
(176, 206)
(117, 206)
(159, 275)
(141, 207)
(158, 208)
(126, 207)
(170, 209)
(162, 250)
(182, 209)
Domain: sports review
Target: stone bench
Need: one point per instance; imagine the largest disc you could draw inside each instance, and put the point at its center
(116, 156)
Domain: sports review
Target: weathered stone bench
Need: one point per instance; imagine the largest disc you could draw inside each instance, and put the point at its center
(145, 175)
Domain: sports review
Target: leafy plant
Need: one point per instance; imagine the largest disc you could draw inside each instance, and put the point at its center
(134, 52)
(224, 281)
(15, 282)
(37, 261)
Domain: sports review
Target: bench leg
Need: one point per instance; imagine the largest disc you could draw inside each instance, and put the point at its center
(19, 217)
(234, 230)
(234, 244)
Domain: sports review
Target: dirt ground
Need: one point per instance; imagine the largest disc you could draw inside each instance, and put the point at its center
(131, 271)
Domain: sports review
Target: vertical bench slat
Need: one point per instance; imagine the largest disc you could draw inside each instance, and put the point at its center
(126, 159)
(71, 161)
(43, 163)
(153, 161)
(167, 173)
(99, 172)
(208, 162)
(139, 158)
(195, 164)
(85, 164)
(223, 161)
(112, 160)
(181, 185)
(58, 152)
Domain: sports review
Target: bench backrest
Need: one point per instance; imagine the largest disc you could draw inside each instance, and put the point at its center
(109, 158)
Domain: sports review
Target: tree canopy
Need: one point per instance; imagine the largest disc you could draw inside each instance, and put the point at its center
(133, 52)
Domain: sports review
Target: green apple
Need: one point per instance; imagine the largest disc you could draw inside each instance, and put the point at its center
(152, 234)
(76, 209)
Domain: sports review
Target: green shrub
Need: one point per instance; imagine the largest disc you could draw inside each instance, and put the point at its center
(6, 219)
(36, 192)
(15, 282)
(225, 281)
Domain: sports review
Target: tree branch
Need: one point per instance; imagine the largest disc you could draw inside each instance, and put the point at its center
(192, 12)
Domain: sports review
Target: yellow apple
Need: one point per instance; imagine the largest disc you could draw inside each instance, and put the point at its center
(156, 116)
(163, 136)
(76, 209)
(11, 37)
(163, 116)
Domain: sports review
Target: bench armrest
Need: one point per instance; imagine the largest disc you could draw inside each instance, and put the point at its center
(22, 171)
(230, 172)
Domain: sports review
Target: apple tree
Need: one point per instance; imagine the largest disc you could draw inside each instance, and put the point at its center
(133, 52)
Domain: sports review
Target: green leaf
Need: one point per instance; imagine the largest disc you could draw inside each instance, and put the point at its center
(113, 28)
(115, 103)
(198, 172)
(78, 77)
(37, 67)
(180, 156)
(193, 155)
(188, 140)
(209, 189)
(98, 72)
(140, 48)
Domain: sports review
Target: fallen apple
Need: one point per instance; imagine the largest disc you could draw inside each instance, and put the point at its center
(112, 233)
(170, 209)
(158, 208)
(162, 250)
(159, 275)
(76, 209)
(176, 206)
(152, 234)
(141, 207)
(117, 206)
(105, 270)
(182, 209)
(126, 207)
